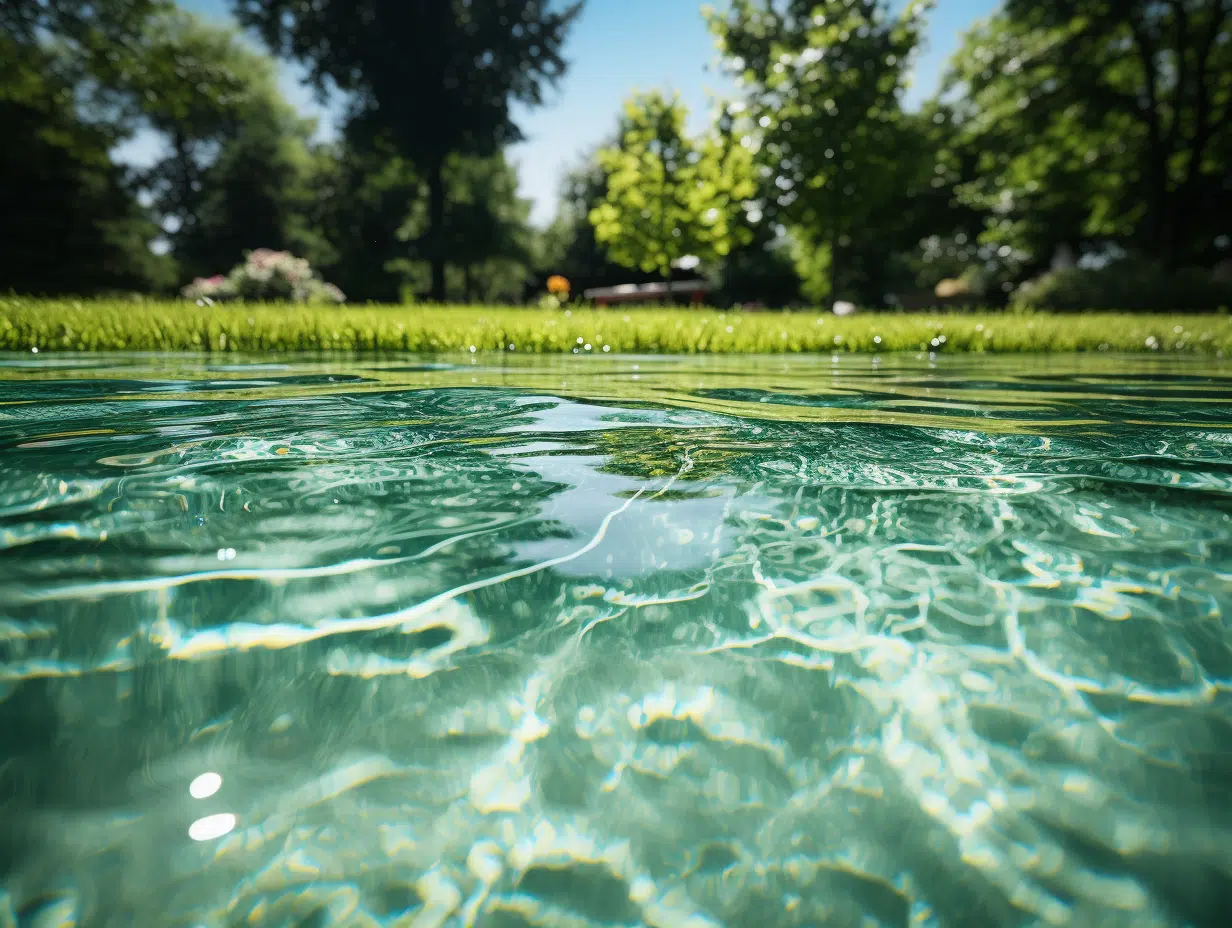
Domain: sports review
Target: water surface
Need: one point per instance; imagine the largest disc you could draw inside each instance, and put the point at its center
(615, 641)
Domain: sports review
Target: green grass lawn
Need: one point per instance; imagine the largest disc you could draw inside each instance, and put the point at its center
(59, 325)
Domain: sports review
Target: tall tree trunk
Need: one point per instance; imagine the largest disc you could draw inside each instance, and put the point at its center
(1188, 206)
(1158, 142)
(436, 228)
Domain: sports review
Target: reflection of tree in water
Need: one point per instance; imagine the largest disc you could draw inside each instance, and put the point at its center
(696, 455)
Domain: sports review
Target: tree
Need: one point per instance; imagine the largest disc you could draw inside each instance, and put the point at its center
(669, 196)
(199, 86)
(436, 76)
(759, 271)
(489, 237)
(361, 199)
(75, 225)
(894, 250)
(257, 192)
(1105, 121)
(821, 84)
(94, 36)
(486, 232)
(81, 228)
(568, 246)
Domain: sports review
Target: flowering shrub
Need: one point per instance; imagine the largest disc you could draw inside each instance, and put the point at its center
(214, 289)
(266, 275)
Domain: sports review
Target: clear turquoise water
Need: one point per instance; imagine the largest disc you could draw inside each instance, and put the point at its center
(674, 642)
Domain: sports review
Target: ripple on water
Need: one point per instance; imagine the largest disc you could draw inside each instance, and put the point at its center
(652, 641)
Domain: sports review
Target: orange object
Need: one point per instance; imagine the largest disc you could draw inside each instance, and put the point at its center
(558, 285)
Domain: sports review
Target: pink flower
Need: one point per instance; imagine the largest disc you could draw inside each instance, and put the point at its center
(261, 257)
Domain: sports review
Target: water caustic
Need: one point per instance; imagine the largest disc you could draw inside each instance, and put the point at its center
(536, 642)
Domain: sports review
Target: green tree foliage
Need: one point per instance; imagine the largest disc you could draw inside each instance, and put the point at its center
(568, 246)
(488, 231)
(760, 271)
(895, 252)
(485, 233)
(821, 82)
(258, 192)
(74, 223)
(436, 77)
(945, 229)
(95, 36)
(237, 175)
(1093, 128)
(669, 196)
(1100, 122)
(199, 86)
(362, 199)
(81, 228)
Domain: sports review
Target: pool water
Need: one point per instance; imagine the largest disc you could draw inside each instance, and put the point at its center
(515, 641)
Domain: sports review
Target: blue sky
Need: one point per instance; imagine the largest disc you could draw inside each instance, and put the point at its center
(618, 46)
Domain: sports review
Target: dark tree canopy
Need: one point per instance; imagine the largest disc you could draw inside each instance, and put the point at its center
(436, 76)
(362, 200)
(487, 219)
(98, 25)
(200, 86)
(76, 224)
(1121, 109)
(255, 194)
